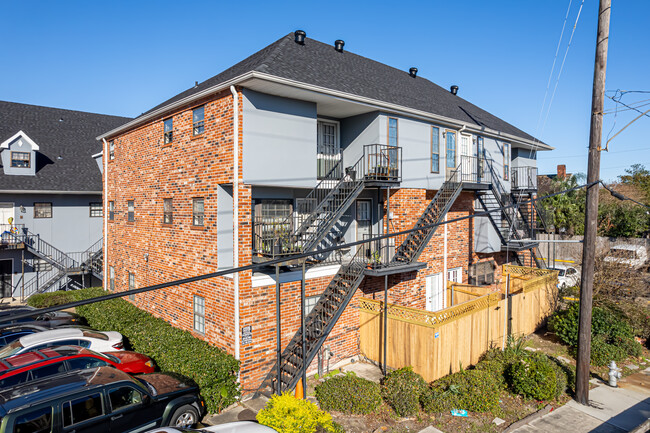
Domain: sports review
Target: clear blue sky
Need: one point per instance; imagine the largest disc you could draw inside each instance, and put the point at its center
(125, 57)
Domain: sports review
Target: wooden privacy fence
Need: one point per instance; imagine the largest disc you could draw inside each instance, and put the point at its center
(438, 343)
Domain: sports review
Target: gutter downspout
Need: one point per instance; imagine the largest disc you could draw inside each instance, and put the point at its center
(235, 198)
(105, 200)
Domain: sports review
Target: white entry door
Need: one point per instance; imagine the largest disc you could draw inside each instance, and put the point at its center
(6, 212)
(436, 299)
(455, 275)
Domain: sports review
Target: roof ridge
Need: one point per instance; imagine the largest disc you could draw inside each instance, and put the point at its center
(65, 109)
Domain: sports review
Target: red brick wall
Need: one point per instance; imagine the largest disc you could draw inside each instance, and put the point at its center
(147, 172)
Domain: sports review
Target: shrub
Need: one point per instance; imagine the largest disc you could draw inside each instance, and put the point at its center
(349, 394)
(534, 377)
(172, 349)
(401, 389)
(473, 390)
(287, 414)
(612, 335)
(51, 299)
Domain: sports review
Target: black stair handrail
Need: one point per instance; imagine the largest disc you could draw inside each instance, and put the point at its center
(319, 322)
(498, 192)
(414, 242)
(305, 227)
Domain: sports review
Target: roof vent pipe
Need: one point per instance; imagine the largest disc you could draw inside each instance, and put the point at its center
(300, 37)
(413, 72)
(338, 45)
(454, 90)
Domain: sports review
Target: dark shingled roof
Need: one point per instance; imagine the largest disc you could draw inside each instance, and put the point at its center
(321, 65)
(66, 133)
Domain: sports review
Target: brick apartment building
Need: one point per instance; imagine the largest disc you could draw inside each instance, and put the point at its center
(302, 146)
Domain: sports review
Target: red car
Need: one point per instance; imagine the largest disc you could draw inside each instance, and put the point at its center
(54, 360)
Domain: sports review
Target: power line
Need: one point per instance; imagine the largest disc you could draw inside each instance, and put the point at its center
(293, 257)
(575, 25)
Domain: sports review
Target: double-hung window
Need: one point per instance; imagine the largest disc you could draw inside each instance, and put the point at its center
(435, 150)
(506, 161)
(199, 314)
(111, 278)
(111, 150)
(111, 210)
(21, 159)
(197, 120)
(96, 210)
(130, 208)
(198, 212)
(393, 141)
(132, 285)
(167, 211)
(42, 210)
(169, 131)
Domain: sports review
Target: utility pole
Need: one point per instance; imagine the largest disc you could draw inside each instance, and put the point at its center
(591, 214)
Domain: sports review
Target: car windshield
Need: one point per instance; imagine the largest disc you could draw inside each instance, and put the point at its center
(561, 272)
(149, 386)
(98, 335)
(113, 358)
(10, 349)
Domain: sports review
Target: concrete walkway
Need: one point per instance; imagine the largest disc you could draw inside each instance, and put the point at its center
(611, 410)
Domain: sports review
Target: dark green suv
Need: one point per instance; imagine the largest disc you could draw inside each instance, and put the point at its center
(99, 400)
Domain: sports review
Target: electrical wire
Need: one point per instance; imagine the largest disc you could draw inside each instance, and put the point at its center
(622, 197)
(575, 25)
(293, 257)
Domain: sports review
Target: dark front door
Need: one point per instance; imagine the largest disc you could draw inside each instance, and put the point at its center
(5, 278)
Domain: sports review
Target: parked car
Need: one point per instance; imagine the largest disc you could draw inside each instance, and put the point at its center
(46, 320)
(7, 335)
(231, 427)
(568, 276)
(99, 400)
(107, 341)
(50, 361)
(633, 256)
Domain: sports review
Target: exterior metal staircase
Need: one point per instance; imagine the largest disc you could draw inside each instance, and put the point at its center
(411, 248)
(315, 215)
(62, 264)
(340, 291)
(515, 231)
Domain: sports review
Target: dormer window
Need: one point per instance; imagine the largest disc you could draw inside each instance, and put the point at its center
(21, 159)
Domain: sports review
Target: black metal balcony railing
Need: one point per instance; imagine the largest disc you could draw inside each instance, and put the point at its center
(473, 169)
(524, 178)
(313, 217)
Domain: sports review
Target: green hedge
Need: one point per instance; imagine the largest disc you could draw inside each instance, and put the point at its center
(535, 377)
(402, 389)
(51, 299)
(612, 335)
(349, 394)
(472, 390)
(172, 349)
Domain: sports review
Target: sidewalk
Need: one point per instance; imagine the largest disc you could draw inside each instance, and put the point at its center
(611, 410)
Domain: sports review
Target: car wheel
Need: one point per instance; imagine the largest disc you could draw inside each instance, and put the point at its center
(185, 416)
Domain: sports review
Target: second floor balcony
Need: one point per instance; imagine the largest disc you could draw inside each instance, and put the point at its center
(524, 178)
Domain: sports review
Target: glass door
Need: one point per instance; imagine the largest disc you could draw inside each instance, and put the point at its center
(450, 140)
(364, 225)
(328, 148)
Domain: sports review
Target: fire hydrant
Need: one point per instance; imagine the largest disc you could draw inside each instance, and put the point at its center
(614, 374)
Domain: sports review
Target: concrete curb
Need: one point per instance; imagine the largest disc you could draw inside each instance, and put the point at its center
(530, 418)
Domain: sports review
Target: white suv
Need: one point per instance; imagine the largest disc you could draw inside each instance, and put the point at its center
(107, 341)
